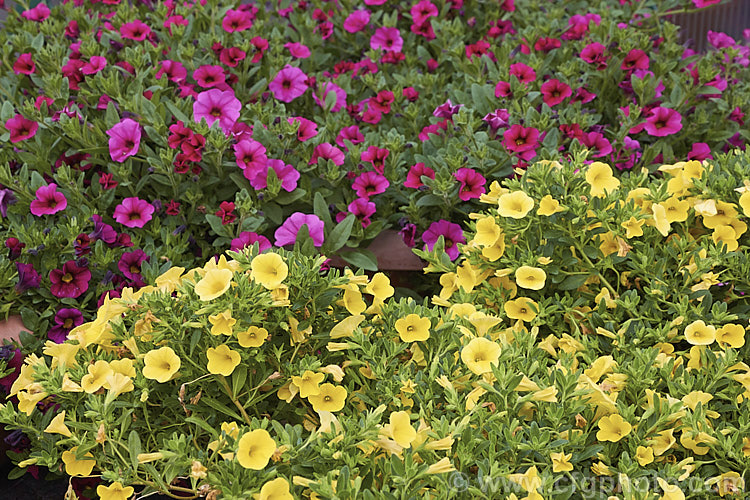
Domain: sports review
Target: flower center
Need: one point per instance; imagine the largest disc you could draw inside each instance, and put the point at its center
(327, 399)
(67, 277)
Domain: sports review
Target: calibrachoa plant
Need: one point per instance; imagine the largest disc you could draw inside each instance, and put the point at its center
(182, 129)
(589, 339)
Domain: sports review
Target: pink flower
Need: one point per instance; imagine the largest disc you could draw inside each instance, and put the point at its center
(174, 70)
(502, 89)
(376, 156)
(362, 210)
(500, 118)
(705, 3)
(209, 76)
(250, 156)
(216, 104)
(287, 233)
(635, 59)
(124, 140)
(48, 201)
(289, 84)
(326, 151)
(414, 177)
(320, 97)
(259, 46)
(136, 30)
(446, 110)
(388, 39)
(472, 183)
(21, 128)
(663, 121)
(307, 128)
(287, 174)
(520, 139)
(37, 14)
(547, 44)
(422, 11)
(720, 40)
(351, 134)
(451, 233)
(232, 56)
(596, 141)
(555, 92)
(237, 20)
(524, 73)
(593, 53)
(297, 50)
(247, 239)
(133, 212)
(24, 65)
(700, 151)
(357, 21)
(369, 184)
(95, 65)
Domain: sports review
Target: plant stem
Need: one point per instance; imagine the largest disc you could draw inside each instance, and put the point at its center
(224, 383)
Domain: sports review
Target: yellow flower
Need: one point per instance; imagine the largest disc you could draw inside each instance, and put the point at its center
(269, 269)
(222, 323)
(68, 385)
(117, 383)
(252, 337)
(613, 428)
(644, 455)
(487, 232)
(549, 206)
(548, 395)
(63, 355)
(276, 489)
(725, 214)
(600, 178)
(124, 366)
(97, 376)
(353, 301)
(330, 398)
(529, 480)
(633, 227)
(730, 483)
(170, 280)
(308, 383)
(442, 466)
(494, 252)
(698, 333)
(677, 211)
(379, 287)
(725, 235)
(515, 205)
(561, 462)
(400, 428)
(745, 203)
(114, 491)
(161, 364)
(663, 441)
(346, 326)
(480, 354)
(731, 335)
(255, 449)
(57, 425)
(530, 277)
(214, 284)
(521, 308)
(222, 360)
(413, 328)
(296, 335)
(671, 491)
(75, 467)
(660, 221)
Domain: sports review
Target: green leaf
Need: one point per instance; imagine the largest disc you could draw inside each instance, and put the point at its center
(218, 228)
(340, 234)
(430, 200)
(362, 258)
(203, 425)
(572, 282)
(259, 85)
(134, 446)
(239, 378)
(112, 117)
(285, 198)
(176, 112)
(6, 113)
(320, 208)
(194, 339)
(273, 212)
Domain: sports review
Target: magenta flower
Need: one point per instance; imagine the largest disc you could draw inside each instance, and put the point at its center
(48, 201)
(635, 59)
(376, 157)
(297, 50)
(663, 121)
(422, 11)
(237, 20)
(250, 156)
(451, 233)
(247, 239)
(216, 104)
(24, 65)
(447, 109)
(593, 53)
(500, 118)
(319, 96)
(289, 84)
(95, 65)
(524, 73)
(472, 183)
(414, 177)
(71, 281)
(307, 128)
(27, 277)
(555, 92)
(209, 76)
(388, 39)
(21, 128)
(502, 89)
(327, 152)
(705, 3)
(369, 184)
(135, 30)
(174, 70)
(596, 141)
(700, 151)
(287, 233)
(65, 320)
(124, 140)
(357, 21)
(287, 174)
(130, 266)
(37, 14)
(362, 209)
(520, 139)
(351, 134)
(133, 212)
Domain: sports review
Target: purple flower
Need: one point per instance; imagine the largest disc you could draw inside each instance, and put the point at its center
(124, 140)
(70, 281)
(446, 110)
(6, 198)
(27, 277)
(102, 231)
(247, 239)
(130, 266)
(133, 212)
(65, 320)
(287, 233)
(451, 233)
